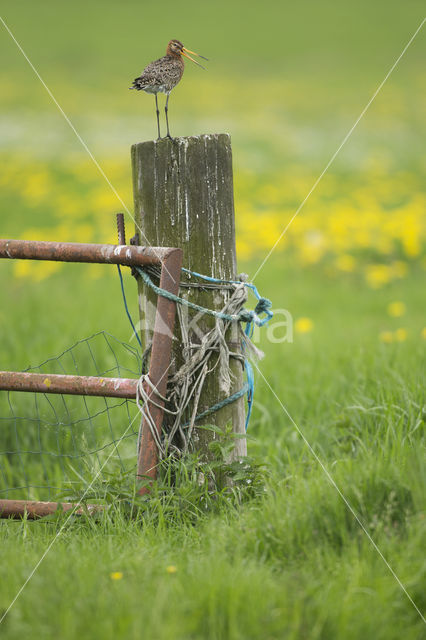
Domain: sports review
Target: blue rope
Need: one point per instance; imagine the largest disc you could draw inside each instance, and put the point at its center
(250, 389)
(219, 405)
(126, 307)
(245, 315)
(250, 317)
(263, 306)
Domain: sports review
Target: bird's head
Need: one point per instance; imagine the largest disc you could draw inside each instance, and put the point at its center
(176, 48)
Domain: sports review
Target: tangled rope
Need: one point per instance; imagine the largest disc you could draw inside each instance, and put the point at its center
(187, 383)
(244, 315)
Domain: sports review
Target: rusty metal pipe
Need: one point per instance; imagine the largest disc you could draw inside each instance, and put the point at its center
(121, 228)
(35, 509)
(68, 385)
(160, 362)
(128, 255)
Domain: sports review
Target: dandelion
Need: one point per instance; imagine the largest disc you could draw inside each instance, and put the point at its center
(22, 269)
(303, 325)
(381, 217)
(244, 249)
(171, 569)
(411, 241)
(401, 335)
(396, 309)
(377, 275)
(36, 188)
(386, 337)
(116, 575)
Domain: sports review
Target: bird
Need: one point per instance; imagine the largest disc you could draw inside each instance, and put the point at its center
(162, 75)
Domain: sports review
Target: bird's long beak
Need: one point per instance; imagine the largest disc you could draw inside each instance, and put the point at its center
(185, 53)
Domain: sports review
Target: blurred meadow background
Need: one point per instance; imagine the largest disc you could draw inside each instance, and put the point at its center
(287, 81)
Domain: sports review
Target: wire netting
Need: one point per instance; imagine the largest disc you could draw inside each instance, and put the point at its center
(55, 443)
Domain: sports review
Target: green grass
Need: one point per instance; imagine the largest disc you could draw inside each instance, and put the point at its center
(288, 81)
(293, 562)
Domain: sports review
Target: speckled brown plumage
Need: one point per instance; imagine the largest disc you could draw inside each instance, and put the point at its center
(162, 75)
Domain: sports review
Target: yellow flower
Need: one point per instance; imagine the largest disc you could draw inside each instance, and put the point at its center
(423, 333)
(22, 268)
(411, 242)
(304, 325)
(377, 275)
(35, 271)
(171, 569)
(36, 187)
(396, 309)
(386, 337)
(401, 335)
(244, 249)
(116, 575)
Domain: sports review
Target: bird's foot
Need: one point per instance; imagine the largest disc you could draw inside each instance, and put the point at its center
(168, 136)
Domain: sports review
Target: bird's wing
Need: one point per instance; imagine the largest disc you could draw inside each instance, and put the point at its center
(151, 75)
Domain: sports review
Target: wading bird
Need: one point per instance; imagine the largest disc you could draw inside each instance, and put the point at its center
(161, 76)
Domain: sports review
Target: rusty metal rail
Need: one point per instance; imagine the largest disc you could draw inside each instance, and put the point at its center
(71, 385)
(127, 255)
(170, 260)
(35, 509)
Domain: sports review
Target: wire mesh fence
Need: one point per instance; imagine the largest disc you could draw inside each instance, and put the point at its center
(54, 445)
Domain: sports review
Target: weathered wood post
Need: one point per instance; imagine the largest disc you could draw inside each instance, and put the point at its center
(183, 191)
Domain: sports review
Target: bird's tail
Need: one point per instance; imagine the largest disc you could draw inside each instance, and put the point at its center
(136, 84)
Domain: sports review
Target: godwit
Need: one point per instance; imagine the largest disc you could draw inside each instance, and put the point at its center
(163, 75)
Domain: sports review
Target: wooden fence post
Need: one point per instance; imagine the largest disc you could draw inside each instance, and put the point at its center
(183, 191)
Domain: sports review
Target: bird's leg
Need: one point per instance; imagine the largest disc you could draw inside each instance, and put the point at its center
(166, 109)
(158, 116)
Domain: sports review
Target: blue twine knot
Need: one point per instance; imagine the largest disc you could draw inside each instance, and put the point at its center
(263, 306)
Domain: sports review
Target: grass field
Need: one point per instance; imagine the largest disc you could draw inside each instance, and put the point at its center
(292, 562)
